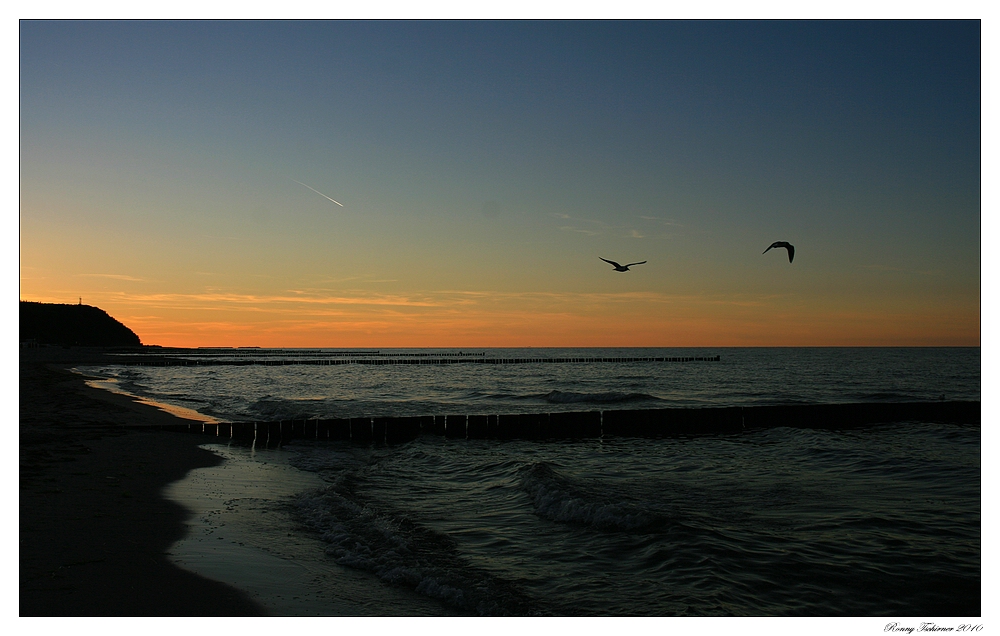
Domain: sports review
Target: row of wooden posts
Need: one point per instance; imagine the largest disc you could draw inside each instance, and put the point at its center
(588, 424)
(164, 361)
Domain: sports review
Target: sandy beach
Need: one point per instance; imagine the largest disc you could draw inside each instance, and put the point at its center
(94, 524)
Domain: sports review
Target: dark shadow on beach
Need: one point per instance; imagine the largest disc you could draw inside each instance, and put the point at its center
(94, 525)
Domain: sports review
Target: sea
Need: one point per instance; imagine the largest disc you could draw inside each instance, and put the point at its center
(879, 520)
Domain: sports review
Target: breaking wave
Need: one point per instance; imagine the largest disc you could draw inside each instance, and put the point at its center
(367, 536)
(555, 498)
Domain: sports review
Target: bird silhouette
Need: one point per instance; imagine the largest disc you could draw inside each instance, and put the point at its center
(620, 268)
(785, 244)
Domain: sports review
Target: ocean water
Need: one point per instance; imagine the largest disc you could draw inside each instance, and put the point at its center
(741, 377)
(877, 521)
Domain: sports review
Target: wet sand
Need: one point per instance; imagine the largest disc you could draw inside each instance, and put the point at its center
(241, 533)
(94, 524)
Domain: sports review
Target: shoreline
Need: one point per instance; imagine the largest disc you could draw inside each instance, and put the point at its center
(94, 523)
(240, 534)
(81, 414)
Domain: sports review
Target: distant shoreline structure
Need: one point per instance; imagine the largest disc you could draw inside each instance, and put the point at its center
(376, 358)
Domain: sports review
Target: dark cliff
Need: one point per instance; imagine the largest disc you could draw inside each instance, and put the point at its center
(73, 325)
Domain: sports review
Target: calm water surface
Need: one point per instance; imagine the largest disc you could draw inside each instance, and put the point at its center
(742, 377)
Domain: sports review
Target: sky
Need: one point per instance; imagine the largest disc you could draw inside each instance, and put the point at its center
(454, 183)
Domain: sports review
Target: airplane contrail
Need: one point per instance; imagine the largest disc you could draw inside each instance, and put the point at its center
(319, 193)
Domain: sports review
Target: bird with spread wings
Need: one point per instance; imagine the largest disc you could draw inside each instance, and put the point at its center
(785, 244)
(620, 268)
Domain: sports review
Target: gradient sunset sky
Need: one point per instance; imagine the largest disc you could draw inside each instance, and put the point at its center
(483, 168)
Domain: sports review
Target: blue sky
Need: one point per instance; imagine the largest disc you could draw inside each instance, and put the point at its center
(483, 168)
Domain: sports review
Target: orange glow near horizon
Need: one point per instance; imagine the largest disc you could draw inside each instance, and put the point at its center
(481, 319)
(752, 301)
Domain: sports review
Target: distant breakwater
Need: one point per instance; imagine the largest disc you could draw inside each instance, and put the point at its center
(589, 424)
(161, 361)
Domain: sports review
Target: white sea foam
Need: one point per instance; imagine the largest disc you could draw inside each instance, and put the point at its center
(555, 499)
(371, 537)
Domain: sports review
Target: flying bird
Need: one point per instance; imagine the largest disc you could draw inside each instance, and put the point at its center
(620, 268)
(319, 193)
(785, 244)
